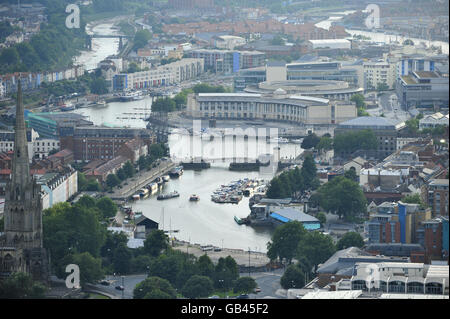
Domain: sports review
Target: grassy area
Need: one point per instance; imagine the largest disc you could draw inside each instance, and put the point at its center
(97, 296)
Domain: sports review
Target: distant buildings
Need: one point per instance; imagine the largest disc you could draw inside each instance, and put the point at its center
(379, 73)
(341, 44)
(228, 61)
(433, 120)
(58, 187)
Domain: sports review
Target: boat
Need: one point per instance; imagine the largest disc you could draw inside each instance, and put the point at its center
(67, 107)
(166, 178)
(136, 196)
(100, 103)
(143, 192)
(279, 140)
(168, 196)
(152, 187)
(176, 172)
(131, 96)
(194, 198)
(238, 220)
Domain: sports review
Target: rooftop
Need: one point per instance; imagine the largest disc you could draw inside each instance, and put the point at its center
(369, 121)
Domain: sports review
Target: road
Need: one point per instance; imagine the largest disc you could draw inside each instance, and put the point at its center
(129, 186)
(129, 282)
(269, 282)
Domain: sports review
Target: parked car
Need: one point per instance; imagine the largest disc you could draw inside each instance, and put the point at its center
(243, 296)
(120, 287)
(105, 283)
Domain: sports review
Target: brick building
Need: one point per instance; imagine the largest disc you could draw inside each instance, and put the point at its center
(133, 149)
(95, 142)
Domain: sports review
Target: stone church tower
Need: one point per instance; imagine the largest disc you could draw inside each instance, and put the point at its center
(21, 247)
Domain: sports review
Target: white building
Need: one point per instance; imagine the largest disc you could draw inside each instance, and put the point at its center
(228, 42)
(2, 89)
(168, 74)
(433, 120)
(379, 72)
(394, 277)
(275, 107)
(58, 187)
(330, 44)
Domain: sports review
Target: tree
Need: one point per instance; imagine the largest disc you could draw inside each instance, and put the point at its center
(325, 144)
(225, 273)
(309, 173)
(351, 141)
(82, 182)
(277, 40)
(310, 141)
(293, 277)
(99, 86)
(414, 199)
(112, 181)
(154, 288)
(121, 174)
(141, 264)
(359, 100)
(141, 39)
(198, 287)
(72, 228)
(93, 185)
(285, 241)
(122, 259)
(245, 285)
(90, 268)
(205, 266)
(350, 239)
(315, 247)
(128, 169)
(165, 105)
(156, 242)
(322, 218)
(20, 286)
(106, 207)
(343, 197)
(351, 174)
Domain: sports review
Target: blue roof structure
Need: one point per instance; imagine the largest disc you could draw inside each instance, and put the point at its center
(286, 215)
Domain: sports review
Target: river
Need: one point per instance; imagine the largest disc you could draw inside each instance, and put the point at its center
(380, 37)
(203, 222)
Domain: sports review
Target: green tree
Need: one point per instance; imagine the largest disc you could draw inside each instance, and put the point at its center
(154, 287)
(122, 260)
(322, 218)
(285, 241)
(205, 266)
(293, 277)
(21, 286)
(343, 197)
(325, 144)
(141, 263)
(309, 173)
(128, 169)
(141, 39)
(315, 247)
(165, 105)
(90, 268)
(112, 181)
(351, 175)
(82, 182)
(92, 185)
(359, 100)
(310, 141)
(198, 287)
(156, 242)
(99, 86)
(244, 285)
(414, 199)
(107, 207)
(121, 174)
(351, 141)
(225, 273)
(350, 239)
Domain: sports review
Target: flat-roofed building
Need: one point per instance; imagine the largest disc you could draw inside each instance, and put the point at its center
(272, 107)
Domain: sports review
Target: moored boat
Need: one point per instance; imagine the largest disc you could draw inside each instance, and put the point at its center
(194, 198)
(168, 196)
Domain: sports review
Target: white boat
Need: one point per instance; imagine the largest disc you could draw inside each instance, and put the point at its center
(279, 140)
(166, 178)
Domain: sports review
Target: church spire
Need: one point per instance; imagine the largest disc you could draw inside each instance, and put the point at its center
(20, 164)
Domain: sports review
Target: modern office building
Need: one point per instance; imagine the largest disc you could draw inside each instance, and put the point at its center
(274, 107)
(423, 89)
(47, 124)
(319, 70)
(228, 61)
(249, 77)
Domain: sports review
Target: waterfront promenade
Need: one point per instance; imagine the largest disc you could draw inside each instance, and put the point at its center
(130, 186)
